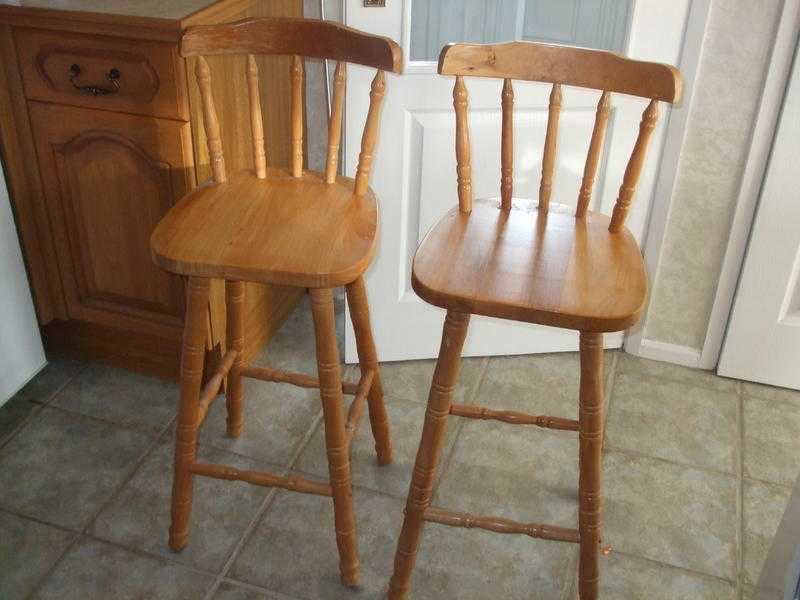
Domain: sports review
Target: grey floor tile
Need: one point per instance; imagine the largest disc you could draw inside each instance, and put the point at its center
(62, 467)
(277, 418)
(763, 508)
(470, 564)
(139, 516)
(771, 443)
(632, 578)
(633, 364)
(231, 591)
(93, 570)
(53, 377)
(538, 384)
(405, 420)
(682, 423)
(750, 592)
(768, 392)
(293, 550)
(411, 380)
(122, 397)
(293, 348)
(14, 413)
(514, 472)
(27, 552)
(672, 514)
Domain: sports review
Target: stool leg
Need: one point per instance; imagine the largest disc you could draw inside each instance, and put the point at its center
(430, 447)
(591, 442)
(335, 437)
(368, 359)
(194, 336)
(234, 391)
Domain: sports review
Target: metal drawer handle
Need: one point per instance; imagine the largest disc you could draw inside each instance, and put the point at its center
(113, 76)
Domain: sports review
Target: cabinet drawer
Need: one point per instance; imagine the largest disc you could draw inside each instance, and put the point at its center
(132, 76)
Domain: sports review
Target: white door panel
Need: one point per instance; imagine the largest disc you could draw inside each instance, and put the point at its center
(414, 175)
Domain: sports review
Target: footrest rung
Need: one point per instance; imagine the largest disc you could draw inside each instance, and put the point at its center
(211, 388)
(515, 418)
(298, 379)
(293, 483)
(501, 525)
(357, 405)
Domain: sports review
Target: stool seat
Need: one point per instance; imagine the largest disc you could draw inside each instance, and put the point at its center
(547, 268)
(285, 230)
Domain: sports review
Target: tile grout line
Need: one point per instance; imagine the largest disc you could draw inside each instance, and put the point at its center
(673, 567)
(263, 509)
(637, 454)
(740, 494)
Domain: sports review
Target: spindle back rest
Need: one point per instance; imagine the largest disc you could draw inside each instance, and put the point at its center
(560, 65)
(299, 38)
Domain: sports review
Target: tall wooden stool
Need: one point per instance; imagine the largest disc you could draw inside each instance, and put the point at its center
(553, 266)
(298, 228)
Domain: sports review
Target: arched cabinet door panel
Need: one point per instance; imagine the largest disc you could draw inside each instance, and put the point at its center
(108, 179)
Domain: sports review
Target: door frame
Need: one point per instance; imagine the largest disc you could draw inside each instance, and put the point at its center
(762, 134)
(752, 179)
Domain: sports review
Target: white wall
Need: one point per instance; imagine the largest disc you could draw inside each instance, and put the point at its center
(21, 352)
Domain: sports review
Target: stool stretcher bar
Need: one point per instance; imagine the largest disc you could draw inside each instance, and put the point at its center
(357, 405)
(501, 525)
(298, 379)
(515, 418)
(293, 483)
(211, 389)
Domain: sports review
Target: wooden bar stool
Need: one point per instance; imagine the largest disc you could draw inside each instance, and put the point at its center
(298, 228)
(553, 266)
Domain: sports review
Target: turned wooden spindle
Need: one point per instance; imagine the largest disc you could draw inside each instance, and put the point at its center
(256, 121)
(296, 76)
(590, 418)
(234, 303)
(593, 155)
(335, 122)
(634, 168)
(507, 146)
(330, 390)
(194, 337)
(210, 121)
(370, 135)
(550, 147)
(463, 166)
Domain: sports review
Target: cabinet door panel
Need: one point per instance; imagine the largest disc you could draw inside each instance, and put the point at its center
(108, 179)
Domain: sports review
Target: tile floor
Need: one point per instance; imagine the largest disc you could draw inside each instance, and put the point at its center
(697, 468)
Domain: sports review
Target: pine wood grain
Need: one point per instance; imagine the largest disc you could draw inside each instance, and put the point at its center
(529, 266)
(301, 231)
(303, 37)
(549, 63)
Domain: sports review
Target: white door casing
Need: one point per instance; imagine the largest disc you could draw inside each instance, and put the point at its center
(414, 171)
(763, 339)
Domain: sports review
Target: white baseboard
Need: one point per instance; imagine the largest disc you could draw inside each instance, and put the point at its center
(673, 353)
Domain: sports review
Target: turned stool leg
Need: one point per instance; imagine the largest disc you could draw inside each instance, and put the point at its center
(368, 359)
(591, 442)
(234, 391)
(430, 447)
(194, 337)
(335, 436)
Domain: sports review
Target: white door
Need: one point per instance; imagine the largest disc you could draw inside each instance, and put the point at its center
(414, 174)
(763, 339)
